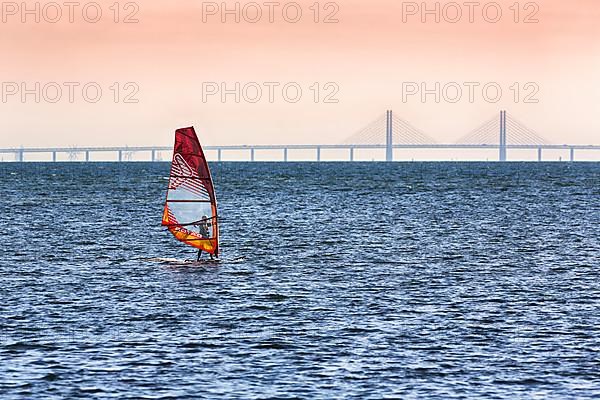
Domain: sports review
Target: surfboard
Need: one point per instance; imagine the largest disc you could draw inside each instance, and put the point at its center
(190, 211)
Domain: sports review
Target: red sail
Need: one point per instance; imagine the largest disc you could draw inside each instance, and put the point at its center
(191, 207)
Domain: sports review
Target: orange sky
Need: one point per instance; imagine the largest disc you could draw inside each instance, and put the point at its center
(368, 54)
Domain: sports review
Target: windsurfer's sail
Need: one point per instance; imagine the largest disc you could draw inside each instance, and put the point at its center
(191, 207)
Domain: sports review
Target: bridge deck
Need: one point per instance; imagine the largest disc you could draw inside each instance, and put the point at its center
(300, 147)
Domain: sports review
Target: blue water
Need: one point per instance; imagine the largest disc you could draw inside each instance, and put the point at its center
(365, 280)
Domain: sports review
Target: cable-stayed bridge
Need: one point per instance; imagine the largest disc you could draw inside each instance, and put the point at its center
(387, 133)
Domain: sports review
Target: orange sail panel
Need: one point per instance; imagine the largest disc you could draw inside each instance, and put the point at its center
(191, 207)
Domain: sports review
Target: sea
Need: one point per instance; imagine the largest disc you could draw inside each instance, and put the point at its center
(337, 281)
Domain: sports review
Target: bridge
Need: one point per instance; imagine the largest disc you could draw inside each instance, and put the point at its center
(387, 133)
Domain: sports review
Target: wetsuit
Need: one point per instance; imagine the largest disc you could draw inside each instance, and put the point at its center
(203, 232)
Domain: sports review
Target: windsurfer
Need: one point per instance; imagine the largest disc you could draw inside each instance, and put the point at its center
(203, 225)
(191, 194)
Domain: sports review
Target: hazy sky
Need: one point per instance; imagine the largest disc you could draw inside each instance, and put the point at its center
(372, 54)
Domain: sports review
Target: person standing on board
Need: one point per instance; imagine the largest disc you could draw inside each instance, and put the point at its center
(203, 225)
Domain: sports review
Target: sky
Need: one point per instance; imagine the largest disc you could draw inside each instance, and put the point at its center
(138, 71)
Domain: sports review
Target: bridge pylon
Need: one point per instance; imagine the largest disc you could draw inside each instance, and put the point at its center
(502, 147)
(389, 137)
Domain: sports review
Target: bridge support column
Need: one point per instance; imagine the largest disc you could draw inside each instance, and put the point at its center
(285, 154)
(252, 154)
(572, 154)
(351, 153)
(20, 156)
(318, 154)
(120, 155)
(539, 154)
(219, 155)
(389, 134)
(53, 156)
(87, 156)
(153, 155)
(502, 155)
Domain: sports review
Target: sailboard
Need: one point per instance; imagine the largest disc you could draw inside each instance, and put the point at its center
(190, 212)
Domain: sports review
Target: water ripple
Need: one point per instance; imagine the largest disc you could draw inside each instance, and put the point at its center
(361, 280)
